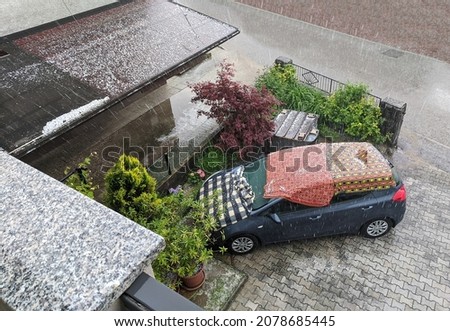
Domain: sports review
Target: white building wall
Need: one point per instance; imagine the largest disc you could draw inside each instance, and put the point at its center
(18, 15)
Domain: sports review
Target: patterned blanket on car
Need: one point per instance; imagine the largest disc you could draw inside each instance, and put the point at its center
(229, 196)
(312, 175)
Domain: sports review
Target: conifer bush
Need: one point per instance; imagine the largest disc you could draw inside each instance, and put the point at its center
(130, 190)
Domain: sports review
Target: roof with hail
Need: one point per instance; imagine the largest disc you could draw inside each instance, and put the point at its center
(79, 67)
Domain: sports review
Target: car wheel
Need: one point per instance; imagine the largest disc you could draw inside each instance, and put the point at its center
(243, 244)
(376, 228)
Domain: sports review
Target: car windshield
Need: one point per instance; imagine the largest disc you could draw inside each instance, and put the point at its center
(255, 174)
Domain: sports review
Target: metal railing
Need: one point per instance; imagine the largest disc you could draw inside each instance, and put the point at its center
(323, 83)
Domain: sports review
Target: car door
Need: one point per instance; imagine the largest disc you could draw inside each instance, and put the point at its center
(348, 212)
(298, 221)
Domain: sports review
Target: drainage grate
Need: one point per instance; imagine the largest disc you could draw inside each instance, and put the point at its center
(3, 53)
(393, 53)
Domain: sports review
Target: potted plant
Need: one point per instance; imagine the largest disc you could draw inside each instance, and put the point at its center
(186, 226)
(192, 242)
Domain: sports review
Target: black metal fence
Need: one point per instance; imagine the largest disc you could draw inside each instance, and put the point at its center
(323, 83)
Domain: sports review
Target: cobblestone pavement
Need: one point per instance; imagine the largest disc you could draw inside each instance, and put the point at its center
(413, 25)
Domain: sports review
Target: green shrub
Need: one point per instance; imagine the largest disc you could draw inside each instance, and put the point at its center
(351, 109)
(277, 79)
(81, 180)
(328, 132)
(130, 190)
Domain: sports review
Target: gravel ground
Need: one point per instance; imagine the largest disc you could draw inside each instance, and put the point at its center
(418, 26)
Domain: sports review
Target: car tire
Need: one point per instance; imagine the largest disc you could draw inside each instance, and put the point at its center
(243, 244)
(376, 228)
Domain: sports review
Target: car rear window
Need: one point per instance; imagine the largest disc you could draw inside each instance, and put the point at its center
(348, 196)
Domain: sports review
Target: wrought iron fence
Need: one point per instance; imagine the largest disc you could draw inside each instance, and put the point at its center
(323, 83)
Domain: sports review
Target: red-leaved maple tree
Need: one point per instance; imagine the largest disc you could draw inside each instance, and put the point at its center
(244, 112)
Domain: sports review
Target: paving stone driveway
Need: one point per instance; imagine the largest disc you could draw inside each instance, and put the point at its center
(408, 269)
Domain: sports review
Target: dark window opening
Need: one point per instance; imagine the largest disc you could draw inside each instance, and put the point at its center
(349, 196)
(285, 206)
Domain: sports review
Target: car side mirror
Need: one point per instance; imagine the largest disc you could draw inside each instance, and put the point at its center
(274, 217)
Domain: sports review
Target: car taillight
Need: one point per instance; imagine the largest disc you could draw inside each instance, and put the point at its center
(400, 195)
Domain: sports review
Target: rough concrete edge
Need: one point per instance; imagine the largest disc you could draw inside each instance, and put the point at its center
(243, 279)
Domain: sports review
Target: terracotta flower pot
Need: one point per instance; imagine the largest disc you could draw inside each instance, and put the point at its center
(194, 282)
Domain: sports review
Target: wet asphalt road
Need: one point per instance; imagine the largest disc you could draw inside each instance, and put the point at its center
(421, 27)
(409, 268)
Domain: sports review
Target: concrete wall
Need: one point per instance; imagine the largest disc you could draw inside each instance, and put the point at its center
(18, 15)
